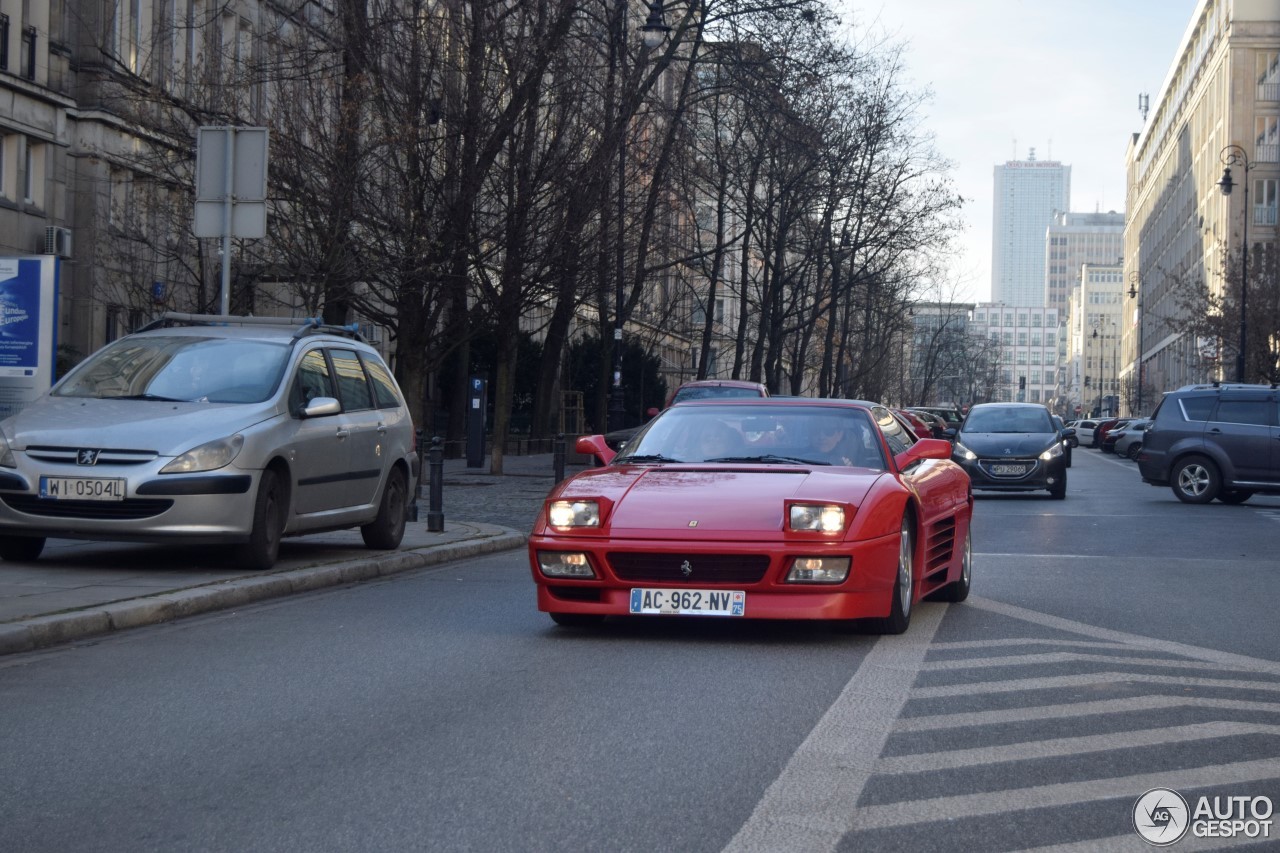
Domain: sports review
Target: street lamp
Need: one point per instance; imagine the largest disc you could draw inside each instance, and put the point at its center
(1115, 367)
(1233, 155)
(653, 33)
(1135, 292)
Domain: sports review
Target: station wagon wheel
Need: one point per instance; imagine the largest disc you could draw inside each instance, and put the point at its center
(1195, 480)
(263, 547)
(21, 549)
(1134, 450)
(387, 529)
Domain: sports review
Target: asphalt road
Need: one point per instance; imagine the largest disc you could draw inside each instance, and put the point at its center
(1116, 642)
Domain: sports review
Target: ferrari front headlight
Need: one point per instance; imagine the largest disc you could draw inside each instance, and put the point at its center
(819, 570)
(826, 518)
(573, 514)
(561, 564)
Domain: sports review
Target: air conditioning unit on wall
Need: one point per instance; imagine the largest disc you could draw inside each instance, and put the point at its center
(57, 241)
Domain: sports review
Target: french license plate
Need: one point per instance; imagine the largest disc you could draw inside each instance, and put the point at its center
(1008, 469)
(82, 488)
(688, 602)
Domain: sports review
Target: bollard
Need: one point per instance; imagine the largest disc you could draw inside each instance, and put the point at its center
(417, 442)
(435, 508)
(557, 457)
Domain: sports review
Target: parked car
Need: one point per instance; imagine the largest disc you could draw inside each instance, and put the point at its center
(937, 423)
(1013, 447)
(950, 414)
(1067, 443)
(1128, 441)
(1101, 430)
(1214, 441)
(762, 509)
(212, 429)
(921, 427)
(1108, 444)
(1084, 430)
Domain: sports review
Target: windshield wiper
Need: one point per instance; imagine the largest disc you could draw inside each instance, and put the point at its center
(646, 457)
(769, 459)
(153, 397)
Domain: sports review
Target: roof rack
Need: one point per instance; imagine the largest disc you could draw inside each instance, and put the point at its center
(310, 325)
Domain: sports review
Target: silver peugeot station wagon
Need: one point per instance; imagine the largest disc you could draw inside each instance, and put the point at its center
(210, 429)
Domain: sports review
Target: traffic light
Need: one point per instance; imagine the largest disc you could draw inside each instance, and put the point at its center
(1086, 382)
(1022, 383)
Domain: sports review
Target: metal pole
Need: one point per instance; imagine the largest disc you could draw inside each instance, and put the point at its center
(435, 507)
(228, 200)
(557, 457)
(1244, 279)
(617, 409)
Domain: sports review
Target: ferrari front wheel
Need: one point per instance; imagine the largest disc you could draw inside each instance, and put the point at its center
(904, 584)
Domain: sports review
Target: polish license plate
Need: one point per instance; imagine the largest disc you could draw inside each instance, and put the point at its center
(1008, 469)
(689, 602)
(82, 488)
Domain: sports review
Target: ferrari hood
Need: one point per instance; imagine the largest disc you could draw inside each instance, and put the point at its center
(711, 502)
(167, 428)
(997, 444)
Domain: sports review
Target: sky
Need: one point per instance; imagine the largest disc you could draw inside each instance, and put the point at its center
(1010, 75)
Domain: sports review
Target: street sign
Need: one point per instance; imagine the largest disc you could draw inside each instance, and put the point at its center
(231, 168)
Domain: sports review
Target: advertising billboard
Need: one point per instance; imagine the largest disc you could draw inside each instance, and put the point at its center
(28, 329)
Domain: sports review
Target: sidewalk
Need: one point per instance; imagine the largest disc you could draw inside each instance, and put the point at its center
(79, 589)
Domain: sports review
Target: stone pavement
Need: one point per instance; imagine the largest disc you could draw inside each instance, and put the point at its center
(79, 589)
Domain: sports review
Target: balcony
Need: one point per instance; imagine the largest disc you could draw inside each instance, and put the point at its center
(1264, 214)
(1269, 91)
(1267, 153)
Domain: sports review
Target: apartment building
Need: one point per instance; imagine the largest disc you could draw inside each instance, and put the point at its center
(1219, 107)
(1028, 340)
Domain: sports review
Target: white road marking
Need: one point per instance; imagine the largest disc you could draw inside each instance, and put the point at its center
(924, 762)
(813, 803)
(809, 806)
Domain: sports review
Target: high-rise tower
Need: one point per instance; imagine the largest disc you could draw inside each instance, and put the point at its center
(1027, 195)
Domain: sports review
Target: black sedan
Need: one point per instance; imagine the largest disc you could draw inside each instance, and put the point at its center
(1013, 447)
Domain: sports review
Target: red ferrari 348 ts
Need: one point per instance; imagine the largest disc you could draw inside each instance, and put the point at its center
(763, 508)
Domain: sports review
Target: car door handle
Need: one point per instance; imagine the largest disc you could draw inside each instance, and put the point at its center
(342, 433)
(382, 429)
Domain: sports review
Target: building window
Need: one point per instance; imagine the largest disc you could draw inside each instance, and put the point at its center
(4, 42)
(1035, 396)
(1022, 320)
(1267, 145)
(1268, 75)
(5, 159)
(28, 68)
(1264, 202)
(33, 176)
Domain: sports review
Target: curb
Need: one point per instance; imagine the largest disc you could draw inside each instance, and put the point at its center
(44, 631)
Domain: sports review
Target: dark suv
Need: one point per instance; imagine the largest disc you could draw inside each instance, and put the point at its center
(1215, 441)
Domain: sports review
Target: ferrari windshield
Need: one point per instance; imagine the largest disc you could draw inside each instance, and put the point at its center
(763, 434)
(179, 368)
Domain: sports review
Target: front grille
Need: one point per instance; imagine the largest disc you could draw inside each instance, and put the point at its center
(105, 456)
(703, 568)
(105, 510)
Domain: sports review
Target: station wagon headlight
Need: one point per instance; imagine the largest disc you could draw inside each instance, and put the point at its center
(963, 452)
(1054, 451)
(557, 564)
(207, 457)
(6, 453)
(823, 517)
(574, 514)
(819, 570)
